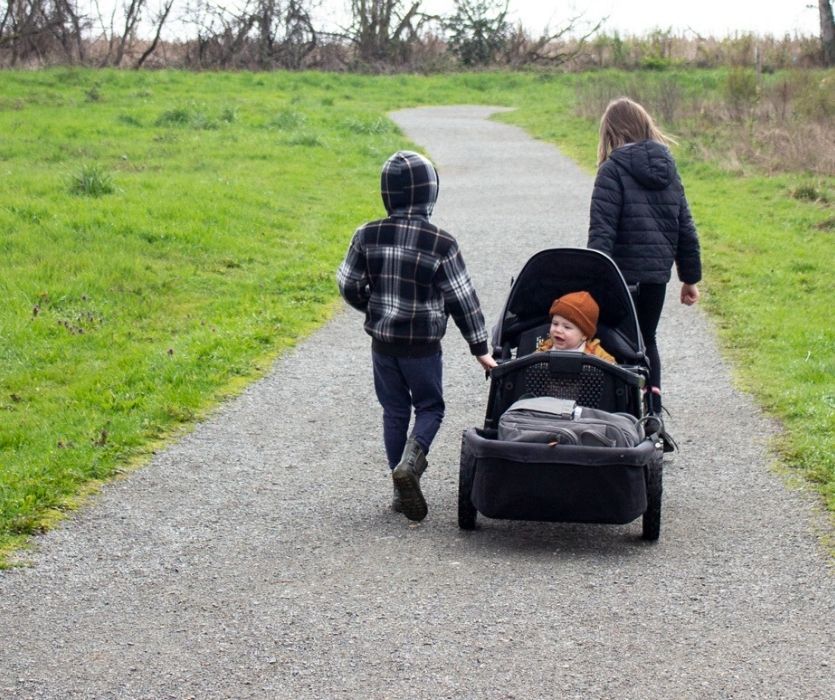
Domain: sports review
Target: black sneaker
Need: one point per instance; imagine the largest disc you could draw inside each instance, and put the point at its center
(654, 425)
(669, 444)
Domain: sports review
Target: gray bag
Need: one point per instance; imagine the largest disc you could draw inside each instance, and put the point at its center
(563, 422)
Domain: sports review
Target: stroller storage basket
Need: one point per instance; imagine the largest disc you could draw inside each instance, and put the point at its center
(563, 483)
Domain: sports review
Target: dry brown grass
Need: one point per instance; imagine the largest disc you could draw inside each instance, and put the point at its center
(774, 123)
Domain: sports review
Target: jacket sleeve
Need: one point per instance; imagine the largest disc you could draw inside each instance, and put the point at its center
(688, 255)
(461, 300)
(606, 205)
(352, 276)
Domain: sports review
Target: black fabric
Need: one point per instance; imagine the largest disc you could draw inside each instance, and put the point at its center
(640, 216)
(400, 350)
(648, 305)
(409, 185)
(525, 481)
(553, 272)
(529, 339)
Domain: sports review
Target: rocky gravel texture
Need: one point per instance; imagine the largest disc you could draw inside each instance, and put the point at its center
(257, 557)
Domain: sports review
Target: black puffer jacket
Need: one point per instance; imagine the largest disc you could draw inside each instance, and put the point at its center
(640, 216)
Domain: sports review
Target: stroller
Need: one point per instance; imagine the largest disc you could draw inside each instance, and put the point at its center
(565, 482)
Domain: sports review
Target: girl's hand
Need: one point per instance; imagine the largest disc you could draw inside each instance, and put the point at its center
(689, 294)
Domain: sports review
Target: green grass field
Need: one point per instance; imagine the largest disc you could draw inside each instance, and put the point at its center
(165, 235)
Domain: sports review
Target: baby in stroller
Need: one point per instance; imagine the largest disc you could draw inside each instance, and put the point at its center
(573, 322)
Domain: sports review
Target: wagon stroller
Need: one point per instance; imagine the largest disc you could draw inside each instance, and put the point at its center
(565, 482)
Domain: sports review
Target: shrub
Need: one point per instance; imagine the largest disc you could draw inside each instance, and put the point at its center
(306, 140)
(370, 127)
(93, 94)
(810, 192)
(288, 120)
(816, 99)
(129, 120)
(173, 117)
(91, 181)
(192, 117)
(741, 90)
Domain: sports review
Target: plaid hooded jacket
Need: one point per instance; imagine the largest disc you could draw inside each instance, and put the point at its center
(406, 274)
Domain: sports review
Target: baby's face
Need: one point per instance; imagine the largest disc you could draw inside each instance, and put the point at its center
(564, 334)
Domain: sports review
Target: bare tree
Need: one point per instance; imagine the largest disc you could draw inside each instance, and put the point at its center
(127, 14)
(20, 29)
(480, 34)
(259, 34)
(299, 35)
(551, 47)
(68, 27)
(81, 23)
(132, 14)
(382, 29)
(827, 32)
(221, 34)
(159, 23)
(285, 33)
(40, 30)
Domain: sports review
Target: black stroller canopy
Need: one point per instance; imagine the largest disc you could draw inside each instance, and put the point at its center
(550, 274)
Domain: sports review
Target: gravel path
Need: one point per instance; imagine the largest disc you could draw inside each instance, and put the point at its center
(256, 558)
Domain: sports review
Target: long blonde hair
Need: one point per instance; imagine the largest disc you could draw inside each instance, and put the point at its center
(625, 121)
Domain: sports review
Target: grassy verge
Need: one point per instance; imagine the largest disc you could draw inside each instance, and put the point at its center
(771, 275)
(166, 235)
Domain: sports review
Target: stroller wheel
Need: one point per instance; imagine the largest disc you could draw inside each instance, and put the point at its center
(652, 516)
(467, 512)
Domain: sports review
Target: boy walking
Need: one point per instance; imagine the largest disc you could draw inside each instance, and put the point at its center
(407, 275)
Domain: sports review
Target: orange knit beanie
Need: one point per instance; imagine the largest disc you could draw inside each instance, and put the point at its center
(580, 308)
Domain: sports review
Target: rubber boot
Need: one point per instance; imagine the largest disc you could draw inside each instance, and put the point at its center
(406, 476)
(396, 505)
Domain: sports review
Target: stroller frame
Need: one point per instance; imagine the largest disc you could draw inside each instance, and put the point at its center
(564, 483)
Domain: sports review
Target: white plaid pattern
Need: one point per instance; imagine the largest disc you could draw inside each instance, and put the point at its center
(407, 274)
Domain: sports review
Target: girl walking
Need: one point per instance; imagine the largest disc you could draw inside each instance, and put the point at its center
(640, 218)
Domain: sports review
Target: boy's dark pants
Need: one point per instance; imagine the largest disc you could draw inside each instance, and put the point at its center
(403, 382)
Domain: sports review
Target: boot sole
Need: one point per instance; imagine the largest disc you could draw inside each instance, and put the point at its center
(412, 502)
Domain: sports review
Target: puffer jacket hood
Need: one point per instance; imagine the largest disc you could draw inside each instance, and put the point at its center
(409, 185)
(640, 216)
(649, 162)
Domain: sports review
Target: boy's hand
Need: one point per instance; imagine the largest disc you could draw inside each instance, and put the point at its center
(486, 361)
(689, 294)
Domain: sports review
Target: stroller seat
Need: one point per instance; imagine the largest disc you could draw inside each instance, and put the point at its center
(613, 341)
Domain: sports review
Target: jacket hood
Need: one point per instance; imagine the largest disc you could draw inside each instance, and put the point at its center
(409, 185)
(649, 162)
